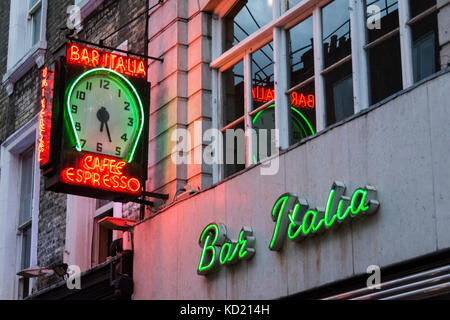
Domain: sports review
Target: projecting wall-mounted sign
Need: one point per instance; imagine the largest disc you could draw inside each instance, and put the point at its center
(100, 116)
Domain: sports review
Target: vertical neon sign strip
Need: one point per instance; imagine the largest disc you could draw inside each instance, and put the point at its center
(134, 144)
(45, 116)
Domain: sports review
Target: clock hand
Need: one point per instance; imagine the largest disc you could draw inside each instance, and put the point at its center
(103, 117)
(107, 130)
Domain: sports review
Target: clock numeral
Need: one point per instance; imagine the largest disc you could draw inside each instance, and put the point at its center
(127, 106)
(89, 85)
(124, 137)
(104, 84)
(99, 147)
(74, 108)
(118, 151)
(81, 95)
(119, 93)
(130, 122)
(83, 142)
(77, 126)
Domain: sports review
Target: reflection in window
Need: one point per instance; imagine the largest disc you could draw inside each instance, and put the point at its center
(336, 31)
(291, 3)
(339, 93)
(337, 46)
(262, 76)
(302, 113)
(301, 55)
(233, 94)
(245, 18)
(385, 66)
(233, 119)
(425, 46)
(385, 13)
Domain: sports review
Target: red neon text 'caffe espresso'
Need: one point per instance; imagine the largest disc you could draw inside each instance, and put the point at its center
(101, 173)
(102, 59)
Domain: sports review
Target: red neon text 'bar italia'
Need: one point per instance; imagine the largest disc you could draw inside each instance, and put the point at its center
(101, 59)
(45, 116)
(298, 99)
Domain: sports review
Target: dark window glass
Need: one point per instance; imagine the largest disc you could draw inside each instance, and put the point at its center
(387, 11)
(245, 18)
(264, 124)
(26, 247)
(385, 69)
(234, 150)
(339, 93)
(419, 6)
(336, 31)
(301, 55)
(302, 113)
(262, 76)
(233, 94)
(425, 47)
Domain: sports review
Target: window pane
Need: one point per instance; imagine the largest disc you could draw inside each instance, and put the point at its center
(233, 94)
(26, 248)
(26, 187)
(246, 18)
(264, 125)
(302, 114)
(426, 60)
(336, 31)
(262, 76)
(36, 26)
(291, 3)
(234, 150)
(385, 69)
(301, 55)
(32, 3)
(339, 93)
(387, 11)
(419, 6)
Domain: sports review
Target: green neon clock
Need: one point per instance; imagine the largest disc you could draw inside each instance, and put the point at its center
(105, 113)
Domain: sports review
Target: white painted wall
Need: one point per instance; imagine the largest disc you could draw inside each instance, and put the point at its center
(402, 148)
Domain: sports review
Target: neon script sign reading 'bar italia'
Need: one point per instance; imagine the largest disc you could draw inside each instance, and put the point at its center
(298, 99)
(101, 59)
(45, 116)
(293, 216)
(101, 173)
(218, 249)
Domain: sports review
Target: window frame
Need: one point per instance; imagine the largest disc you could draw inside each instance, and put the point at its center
(276, 31)
(11, 150)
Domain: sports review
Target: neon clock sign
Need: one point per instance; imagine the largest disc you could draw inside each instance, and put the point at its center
(100, 125)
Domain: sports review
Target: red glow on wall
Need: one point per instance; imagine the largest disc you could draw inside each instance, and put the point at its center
(101, 59)
(298, 99)
(101, 173)
(45, 116)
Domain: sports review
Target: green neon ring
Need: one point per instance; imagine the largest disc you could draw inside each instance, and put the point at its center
(292, 108)
(133, 146)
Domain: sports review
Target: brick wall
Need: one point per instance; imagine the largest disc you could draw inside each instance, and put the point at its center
(23, 104)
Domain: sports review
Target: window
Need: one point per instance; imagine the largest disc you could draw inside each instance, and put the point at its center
(102, 237)
(383, 49)
(301, 93)
(233, 119)
(425, 44)
(312, 65)
(337, 61)
(25, 216)
(246, 18)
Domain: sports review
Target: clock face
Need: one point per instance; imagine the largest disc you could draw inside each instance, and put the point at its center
(106, 113)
